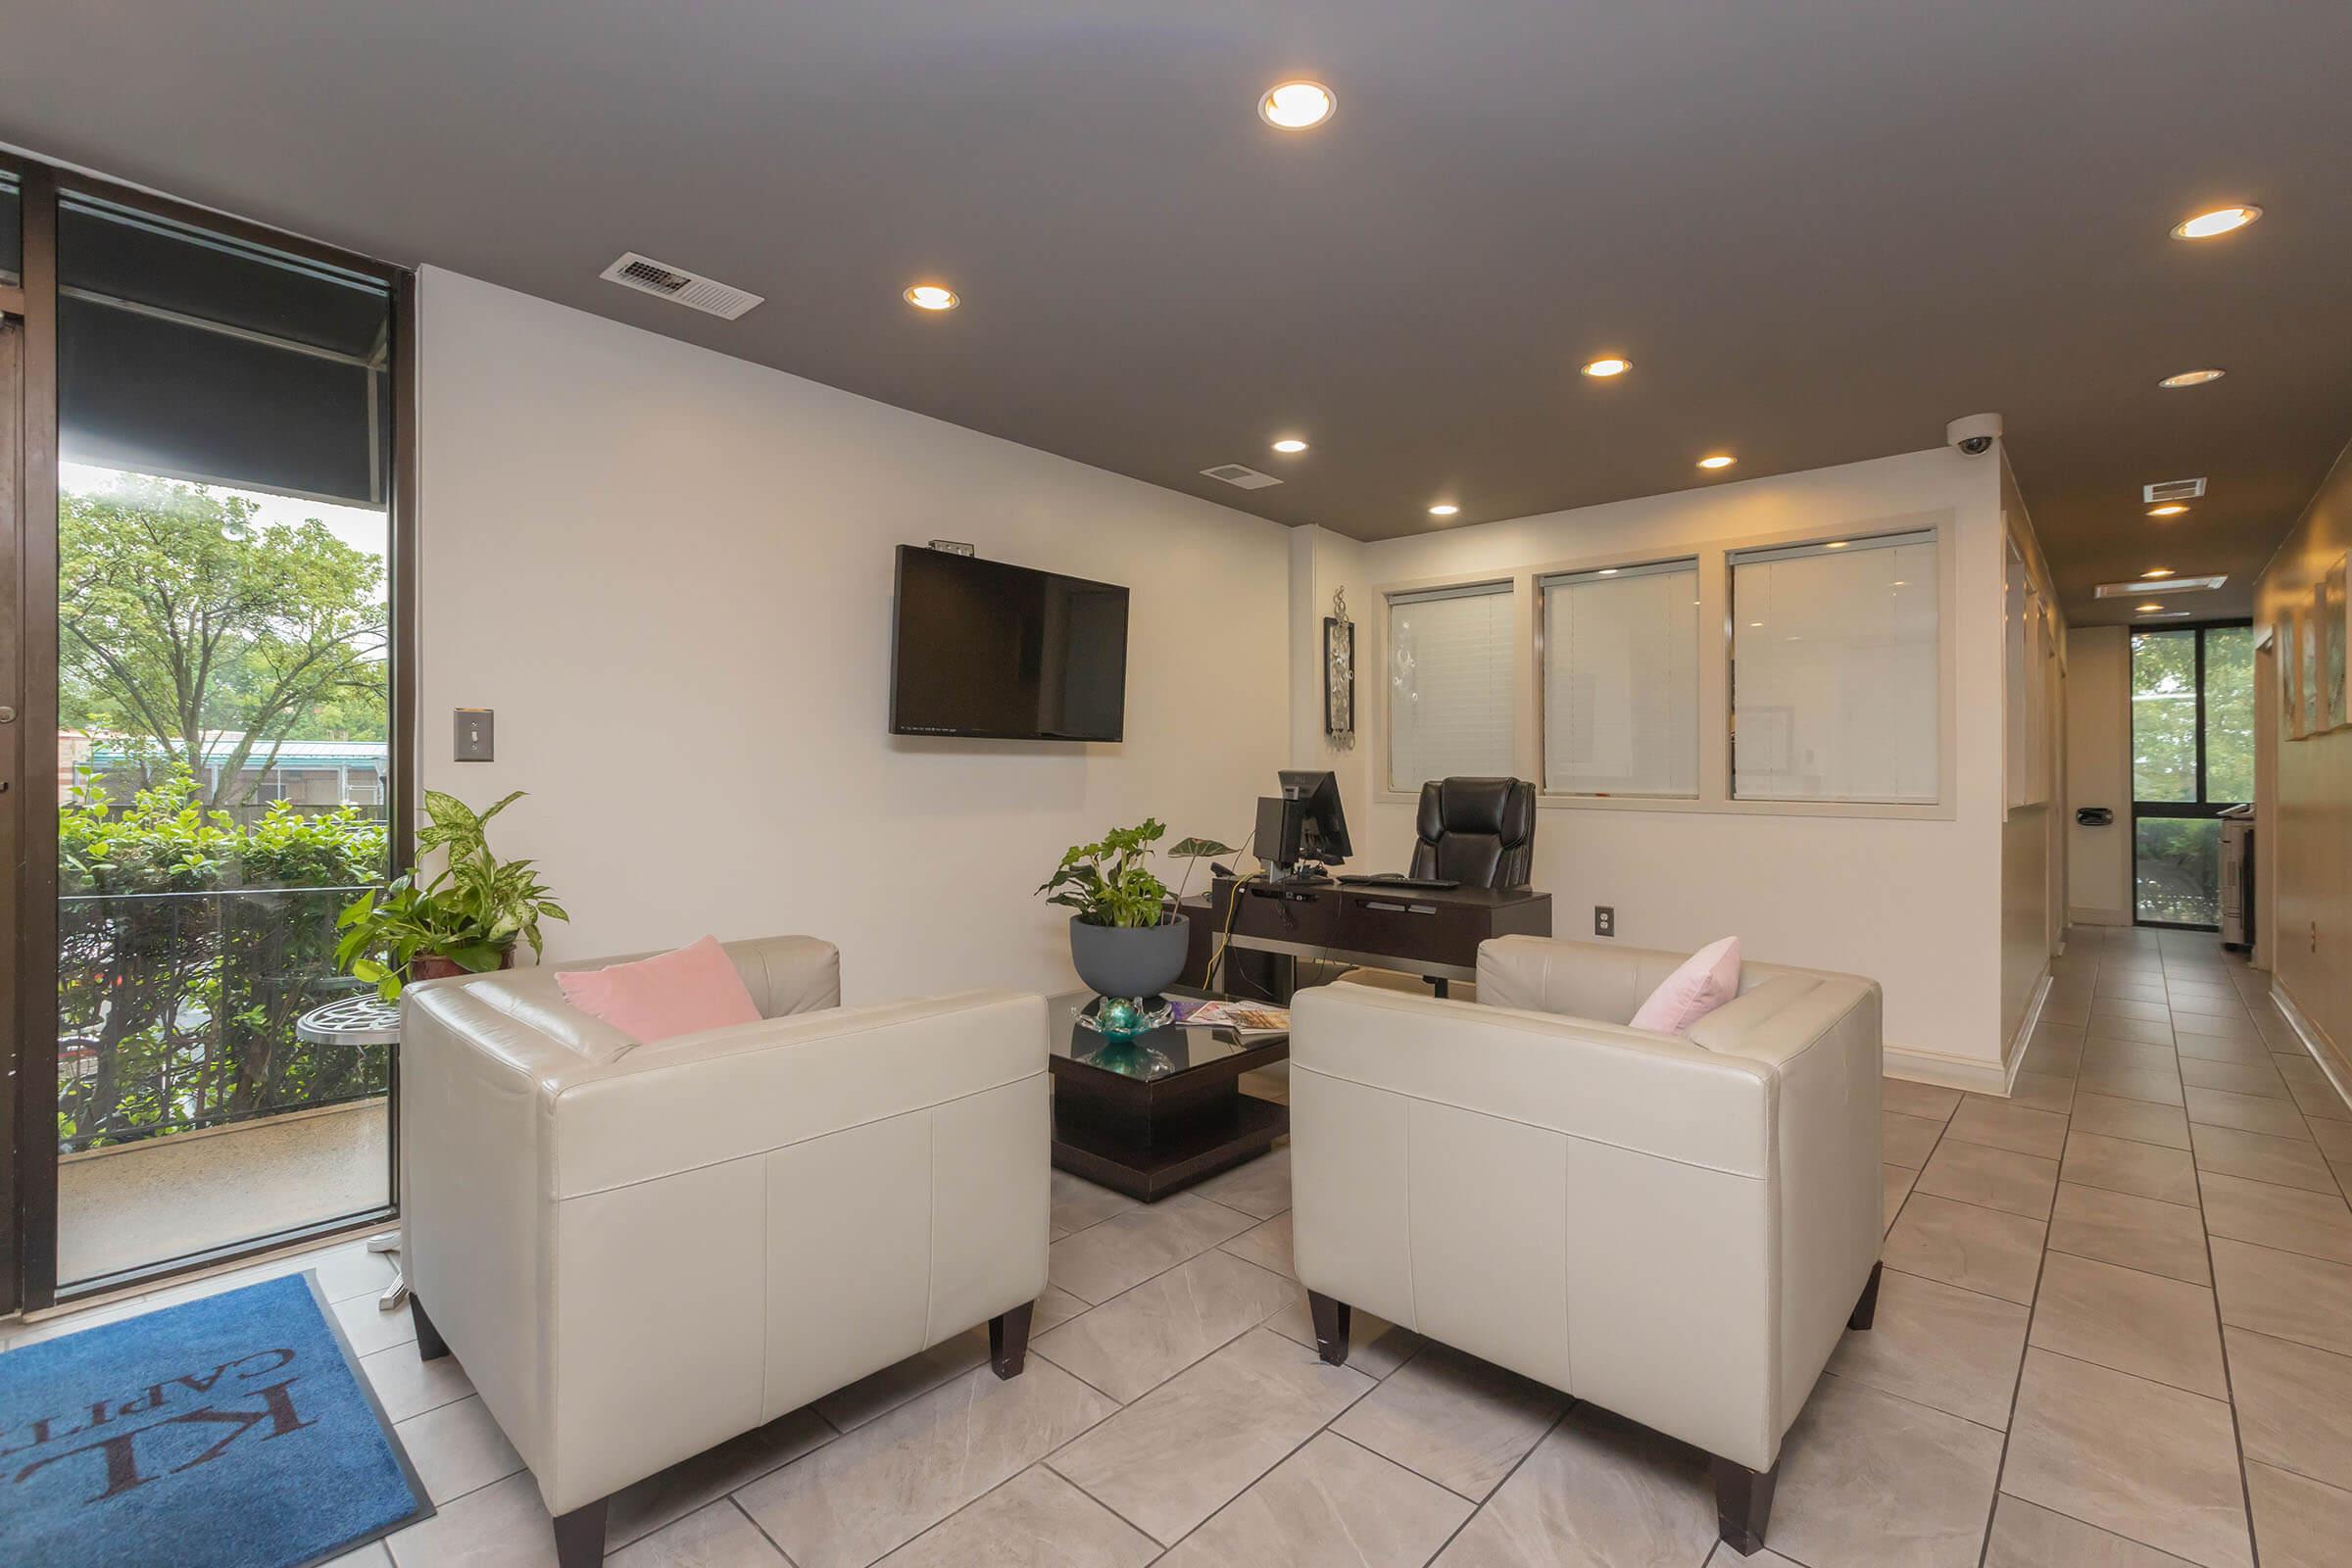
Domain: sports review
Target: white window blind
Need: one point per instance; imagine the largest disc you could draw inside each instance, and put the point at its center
(1836, 668)
(1621, 681)
(1450, 685)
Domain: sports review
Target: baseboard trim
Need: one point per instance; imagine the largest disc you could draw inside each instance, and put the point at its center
(2324, 1051)
(2097, 917)
(1977, 1074)
(2013, 1060)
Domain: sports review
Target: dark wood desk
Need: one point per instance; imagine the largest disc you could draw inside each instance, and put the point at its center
(1415, 930)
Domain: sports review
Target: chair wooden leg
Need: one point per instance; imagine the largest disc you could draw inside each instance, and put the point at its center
(1866, 1311)
(1008, 1341)
(1743, 1504)
(430, 1345)
(1331, 1327)
(580, 1536)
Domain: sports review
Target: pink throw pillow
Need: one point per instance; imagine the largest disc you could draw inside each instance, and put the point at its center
(671, 994)
(1706, 980)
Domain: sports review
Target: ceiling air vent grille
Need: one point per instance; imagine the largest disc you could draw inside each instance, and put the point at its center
(2162, 585)
(2174, 490)
(1235, 473)
(649, 276)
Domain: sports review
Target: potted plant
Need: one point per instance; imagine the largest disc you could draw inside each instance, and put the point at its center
(1125, 941)
(464, 920)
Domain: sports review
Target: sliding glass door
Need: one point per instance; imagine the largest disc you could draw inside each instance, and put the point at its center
(2192, 758)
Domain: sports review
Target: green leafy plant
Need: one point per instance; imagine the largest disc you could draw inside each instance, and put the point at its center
(470, 912)
(1192, 852)
(1106, 882)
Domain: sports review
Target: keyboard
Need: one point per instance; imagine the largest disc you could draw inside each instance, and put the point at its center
(1389, 879)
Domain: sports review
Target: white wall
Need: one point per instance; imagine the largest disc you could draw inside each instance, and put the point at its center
(2098, 772)
(1915, 903)
(670, 572)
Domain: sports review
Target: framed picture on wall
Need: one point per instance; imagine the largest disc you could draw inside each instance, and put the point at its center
(2335, 632)
(2312, 639)
(2291, 672)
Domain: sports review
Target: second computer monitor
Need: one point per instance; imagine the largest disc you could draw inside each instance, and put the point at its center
(1322, 827)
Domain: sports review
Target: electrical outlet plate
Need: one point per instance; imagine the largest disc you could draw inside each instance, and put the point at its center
(1604, 921)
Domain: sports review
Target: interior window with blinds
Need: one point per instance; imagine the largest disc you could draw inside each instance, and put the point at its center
(1836, 662)
(1621, 681)
(1449, 684)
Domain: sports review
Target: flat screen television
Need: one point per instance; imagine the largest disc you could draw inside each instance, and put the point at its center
(998, 652)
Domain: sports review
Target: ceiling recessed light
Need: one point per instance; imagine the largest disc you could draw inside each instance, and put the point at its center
(1899, 582)
(2154, 572)
(2192, 378)
(2221, 221)
(1837, 543)
(1756, 626)
(2149, 609)
(1444, 508)
(1297, 105)
(931, 297)
(1607, 571)
(1608, 368)
(1290, 444)
(2171, 508)
(1719, 460)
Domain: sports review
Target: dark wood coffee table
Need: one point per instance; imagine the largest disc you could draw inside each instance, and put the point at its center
(1152, 1115)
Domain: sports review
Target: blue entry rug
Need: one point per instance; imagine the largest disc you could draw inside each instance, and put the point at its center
(236, 1431)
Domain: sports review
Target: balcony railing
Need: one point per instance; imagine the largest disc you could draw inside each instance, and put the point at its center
(177, 1010)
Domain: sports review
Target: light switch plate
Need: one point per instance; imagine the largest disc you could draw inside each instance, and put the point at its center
(476, 735)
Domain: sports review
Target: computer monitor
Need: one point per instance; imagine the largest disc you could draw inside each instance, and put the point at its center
(1304, 822)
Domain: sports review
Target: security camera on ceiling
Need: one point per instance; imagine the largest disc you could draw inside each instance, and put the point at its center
(1974, 435)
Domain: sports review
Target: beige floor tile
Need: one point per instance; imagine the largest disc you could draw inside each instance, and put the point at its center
(1079, 1202)
(1598, 1493)
(877, 1488)
(1930, 1102)
(1261, 1188)
(718, 1535)
(645, 1507)
(501, 1526)
(2256, 1078)
(1941, 1346)
(2144, 1324)
(2298, 1523)
(1871, 1481)
(2135, 1458)
(2142, 1031)
(2207, 1047)
(2226, 1026)
(2127, 988)
(1193, 1444)
(2103, 1055)
(1996, 1178)
(2025, 1536)
(2114, 1116)
(2044, 1091)
(1330, 1506)
(2058, 1056)
(2286, 1217)
(2006, 1124)
(2258, 1157)
(2121, 1083)
(877, 1394)
(2120, 1165)
(2131, 1232)
(2250, 1113)
(370, 1330)
(2295, 1406)
(2124, 1007)
(1137, 1341)
(2335, 1139)
(2283, 1294)
(1268, 1246)
(374, 1555)
(458, 1448)
(1960, 1243)
(2316, 1098)
(2187, 997)
(1906, 1139)
(2059, 1011)
(1130, 1246)
(1376, 1347)
(1895, 1185)
(1035, 1520)
(1453, 1418)
(406, 1385)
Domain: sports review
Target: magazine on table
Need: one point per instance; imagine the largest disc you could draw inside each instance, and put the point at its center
(1250, 1017)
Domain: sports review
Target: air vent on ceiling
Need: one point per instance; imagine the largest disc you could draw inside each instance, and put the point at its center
(649, 276)
(2174, 490)
(2162, 585)
(1236, 475)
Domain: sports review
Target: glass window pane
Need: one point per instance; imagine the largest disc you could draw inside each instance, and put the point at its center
(2179, 860)
(2229, 715)
(1450, 686)
(1621, 682)
(2164, 715)
(1835, 665)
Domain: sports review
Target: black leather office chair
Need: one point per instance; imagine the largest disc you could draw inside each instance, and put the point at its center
(1480, 832)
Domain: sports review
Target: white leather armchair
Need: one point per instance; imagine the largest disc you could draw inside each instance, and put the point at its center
(1677, 1229)
(638, 1251)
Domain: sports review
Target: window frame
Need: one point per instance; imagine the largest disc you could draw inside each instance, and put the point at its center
(2203, 809)
(1543, 583)
(1472, 586)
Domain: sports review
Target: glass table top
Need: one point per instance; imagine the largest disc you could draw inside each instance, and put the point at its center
(1156, 1054)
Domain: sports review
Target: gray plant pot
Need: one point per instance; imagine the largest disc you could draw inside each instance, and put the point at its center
(1129, 962)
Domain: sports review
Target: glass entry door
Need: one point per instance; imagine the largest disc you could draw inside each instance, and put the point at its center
(2192, 758)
